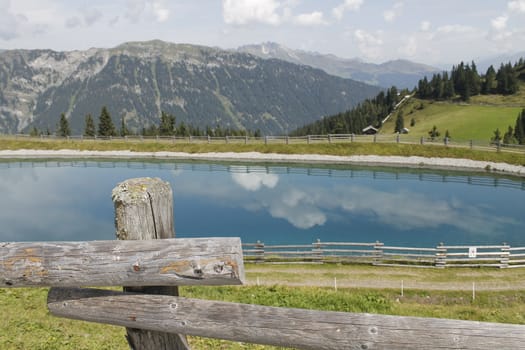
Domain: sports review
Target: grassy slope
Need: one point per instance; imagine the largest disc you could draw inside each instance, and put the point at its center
(464, 122)
(476, 120)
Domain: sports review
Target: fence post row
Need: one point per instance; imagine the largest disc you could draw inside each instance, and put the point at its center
(500, 256)
(309, 139)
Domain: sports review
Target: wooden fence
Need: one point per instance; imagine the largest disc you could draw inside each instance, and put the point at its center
(156, 318)
(307, 139)
(377, 253)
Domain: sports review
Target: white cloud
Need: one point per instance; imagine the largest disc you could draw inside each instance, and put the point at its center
(393, 13)
(10, 22)
(409, 49)
(455, 28)
(241, 12)
(310, 19)
(92, 15)
(425, 26)
(298, 207)
(154, 9)
(417, 211)
(73, 22)
(499, 23)
(160, 11)
(134, 9)
(347, 5)
(255, 181)
(517, 5)
(113, 21)
(369, 44)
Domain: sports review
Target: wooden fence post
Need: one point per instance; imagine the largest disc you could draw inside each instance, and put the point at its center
(144, 210)
(505, 253)
(441, 256)
(260, 252)
(378, 253)
(317, 249)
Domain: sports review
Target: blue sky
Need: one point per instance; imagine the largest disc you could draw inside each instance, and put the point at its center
(438, 32)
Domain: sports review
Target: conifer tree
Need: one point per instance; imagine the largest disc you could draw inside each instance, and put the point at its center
(489, 84)
(123, 128)
(508, 138)
(497, 136)
(167, 124)
(519, 129)
(34, 132)
(106, 127)
(448, 87)
(63, 127)
(474, 80)
(400, 123)
(89, 127)
(433, 133)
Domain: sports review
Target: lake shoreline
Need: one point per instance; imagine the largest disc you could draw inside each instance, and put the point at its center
(368, 160)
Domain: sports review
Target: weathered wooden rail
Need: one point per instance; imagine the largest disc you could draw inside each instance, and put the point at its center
(200, 261)
(156, 318)
(376, 253)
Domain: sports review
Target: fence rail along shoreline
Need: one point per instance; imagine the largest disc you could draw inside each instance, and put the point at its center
(379, 254)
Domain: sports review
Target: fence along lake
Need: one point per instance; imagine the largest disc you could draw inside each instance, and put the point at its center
(57, 200)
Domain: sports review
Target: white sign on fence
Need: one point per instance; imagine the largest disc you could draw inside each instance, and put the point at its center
(472, 252)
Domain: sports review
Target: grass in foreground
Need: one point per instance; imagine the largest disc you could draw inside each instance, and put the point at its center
(340, 149)
(26, 324)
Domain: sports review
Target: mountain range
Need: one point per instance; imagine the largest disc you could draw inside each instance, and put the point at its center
(399, 73)
(136, 81)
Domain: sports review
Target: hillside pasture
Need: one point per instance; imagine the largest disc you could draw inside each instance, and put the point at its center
(463, 121)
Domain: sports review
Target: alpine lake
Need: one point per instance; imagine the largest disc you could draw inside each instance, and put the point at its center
(70, 200)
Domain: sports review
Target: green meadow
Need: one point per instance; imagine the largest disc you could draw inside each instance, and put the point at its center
(463, 121)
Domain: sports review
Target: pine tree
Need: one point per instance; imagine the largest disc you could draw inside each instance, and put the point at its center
(424, 89)
(433, 133)
(489, 84)
(400, 123)
(34, 132)
(474, 80)
(508, 138)
(182, 130)
(123, 128)
(519, 129)
(437, 86)
(167, 124)
(497, 136)
(106, 127)
(63, 127)
(89, 128)
(448, 88)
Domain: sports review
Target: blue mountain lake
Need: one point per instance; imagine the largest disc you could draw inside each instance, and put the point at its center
(273, 203)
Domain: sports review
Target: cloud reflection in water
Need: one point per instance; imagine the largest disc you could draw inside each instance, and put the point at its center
(305, 207)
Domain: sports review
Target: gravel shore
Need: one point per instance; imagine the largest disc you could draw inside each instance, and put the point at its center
(398, 161)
